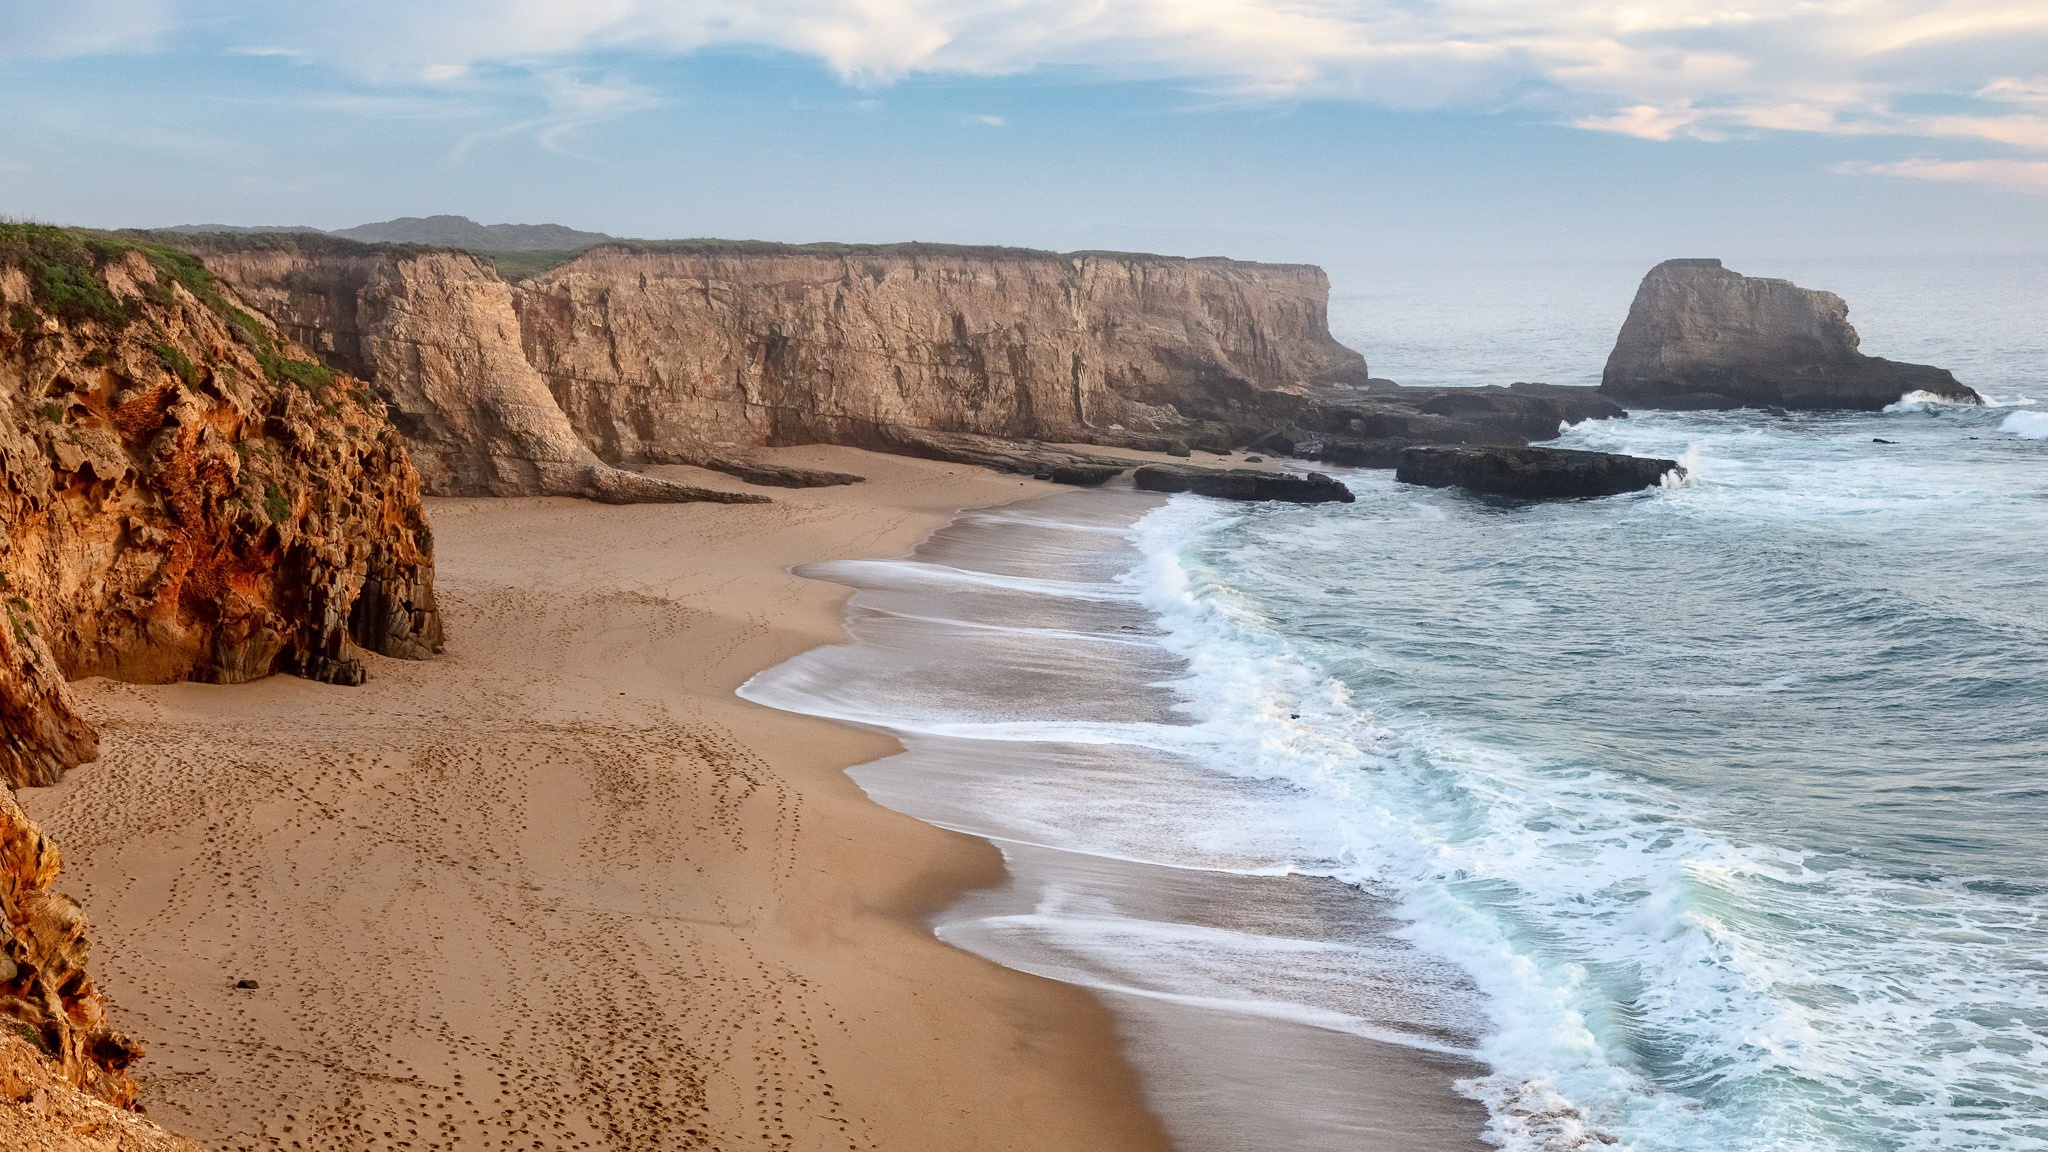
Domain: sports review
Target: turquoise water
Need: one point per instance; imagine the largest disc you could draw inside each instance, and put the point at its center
(1710, 817)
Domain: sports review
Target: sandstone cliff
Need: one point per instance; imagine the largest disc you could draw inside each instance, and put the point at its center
(1701, 336)
(64, 1085)
(437, 333)
(186, 496)
(661, 353)
(694, 352)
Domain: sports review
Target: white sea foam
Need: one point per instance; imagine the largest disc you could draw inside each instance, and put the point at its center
(1919, 401)
(1649, 978)
(2029, 425)
(1600, 916)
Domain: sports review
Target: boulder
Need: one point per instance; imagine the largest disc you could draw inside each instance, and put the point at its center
(1243, 484)
(1700, 336)
(1531, 473)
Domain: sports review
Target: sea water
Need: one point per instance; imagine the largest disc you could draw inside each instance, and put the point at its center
(1709, 817)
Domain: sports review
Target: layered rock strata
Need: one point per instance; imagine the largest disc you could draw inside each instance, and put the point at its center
(691, 353)
(187, 495)
(437, 333)
(1530, 473)
(1701, 336)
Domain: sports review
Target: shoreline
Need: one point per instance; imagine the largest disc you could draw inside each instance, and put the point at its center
(563, 888)
(1005, 653)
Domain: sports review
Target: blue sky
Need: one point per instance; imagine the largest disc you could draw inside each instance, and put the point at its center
(1340, 131)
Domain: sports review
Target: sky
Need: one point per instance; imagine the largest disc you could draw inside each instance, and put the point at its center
(1335, 131)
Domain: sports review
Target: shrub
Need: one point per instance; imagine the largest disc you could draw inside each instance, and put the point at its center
(274, 503)
(63, 271)
(178, 363)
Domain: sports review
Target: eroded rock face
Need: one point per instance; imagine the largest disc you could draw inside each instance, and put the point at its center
(1532, 473)
(689, 353)
(658, 355)
(186, 497)
(436, 333)
(1700, 336)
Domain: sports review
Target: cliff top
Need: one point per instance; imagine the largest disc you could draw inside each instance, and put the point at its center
(525, 261)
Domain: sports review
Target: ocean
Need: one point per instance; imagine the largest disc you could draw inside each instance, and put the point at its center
(1709, 817)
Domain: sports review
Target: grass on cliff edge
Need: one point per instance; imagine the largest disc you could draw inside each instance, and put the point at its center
(63, 266)
(513, 266)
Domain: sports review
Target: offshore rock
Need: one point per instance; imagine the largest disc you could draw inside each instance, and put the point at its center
(1700, 336)
(1243, 484)
(1532, 473)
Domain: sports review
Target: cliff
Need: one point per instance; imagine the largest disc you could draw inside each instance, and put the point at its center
(64, 1085)
(693, 352)
(187, 496)
(659, 353)
(1701, 336)
(437, 333)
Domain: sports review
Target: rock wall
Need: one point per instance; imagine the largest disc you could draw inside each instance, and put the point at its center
(187, 495)
(693, 352)
(661, 353)
(437, 332)
(1701, 336)
(683, 353)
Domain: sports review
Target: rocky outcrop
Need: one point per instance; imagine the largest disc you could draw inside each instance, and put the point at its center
(437, 334)
(187, 495)
(1370, 427)
(46, 998)
(1243, 484)
(1701, 336)
(1533, 473)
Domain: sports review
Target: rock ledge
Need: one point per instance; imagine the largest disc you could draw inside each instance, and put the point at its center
(1532, 473)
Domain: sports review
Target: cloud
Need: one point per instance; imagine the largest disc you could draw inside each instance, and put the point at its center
(1656, 69)
(984, 121)
(1644, 120)
(2025, 175)
(572, 103)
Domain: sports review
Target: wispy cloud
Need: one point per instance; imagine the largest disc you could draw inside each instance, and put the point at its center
(572, 103)
(2026, 175)
(1656, 69)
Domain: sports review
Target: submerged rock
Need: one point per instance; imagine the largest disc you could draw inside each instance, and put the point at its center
(1243, 484)
(1700, 336)
(1532, 473)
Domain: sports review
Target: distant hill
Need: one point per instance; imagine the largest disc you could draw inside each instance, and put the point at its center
(462, 232)
(237, 229)
(434, 231)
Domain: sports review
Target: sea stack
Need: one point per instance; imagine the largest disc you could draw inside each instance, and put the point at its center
(1700, 336)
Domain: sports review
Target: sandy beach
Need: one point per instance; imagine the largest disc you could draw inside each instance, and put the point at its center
(562, 889)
